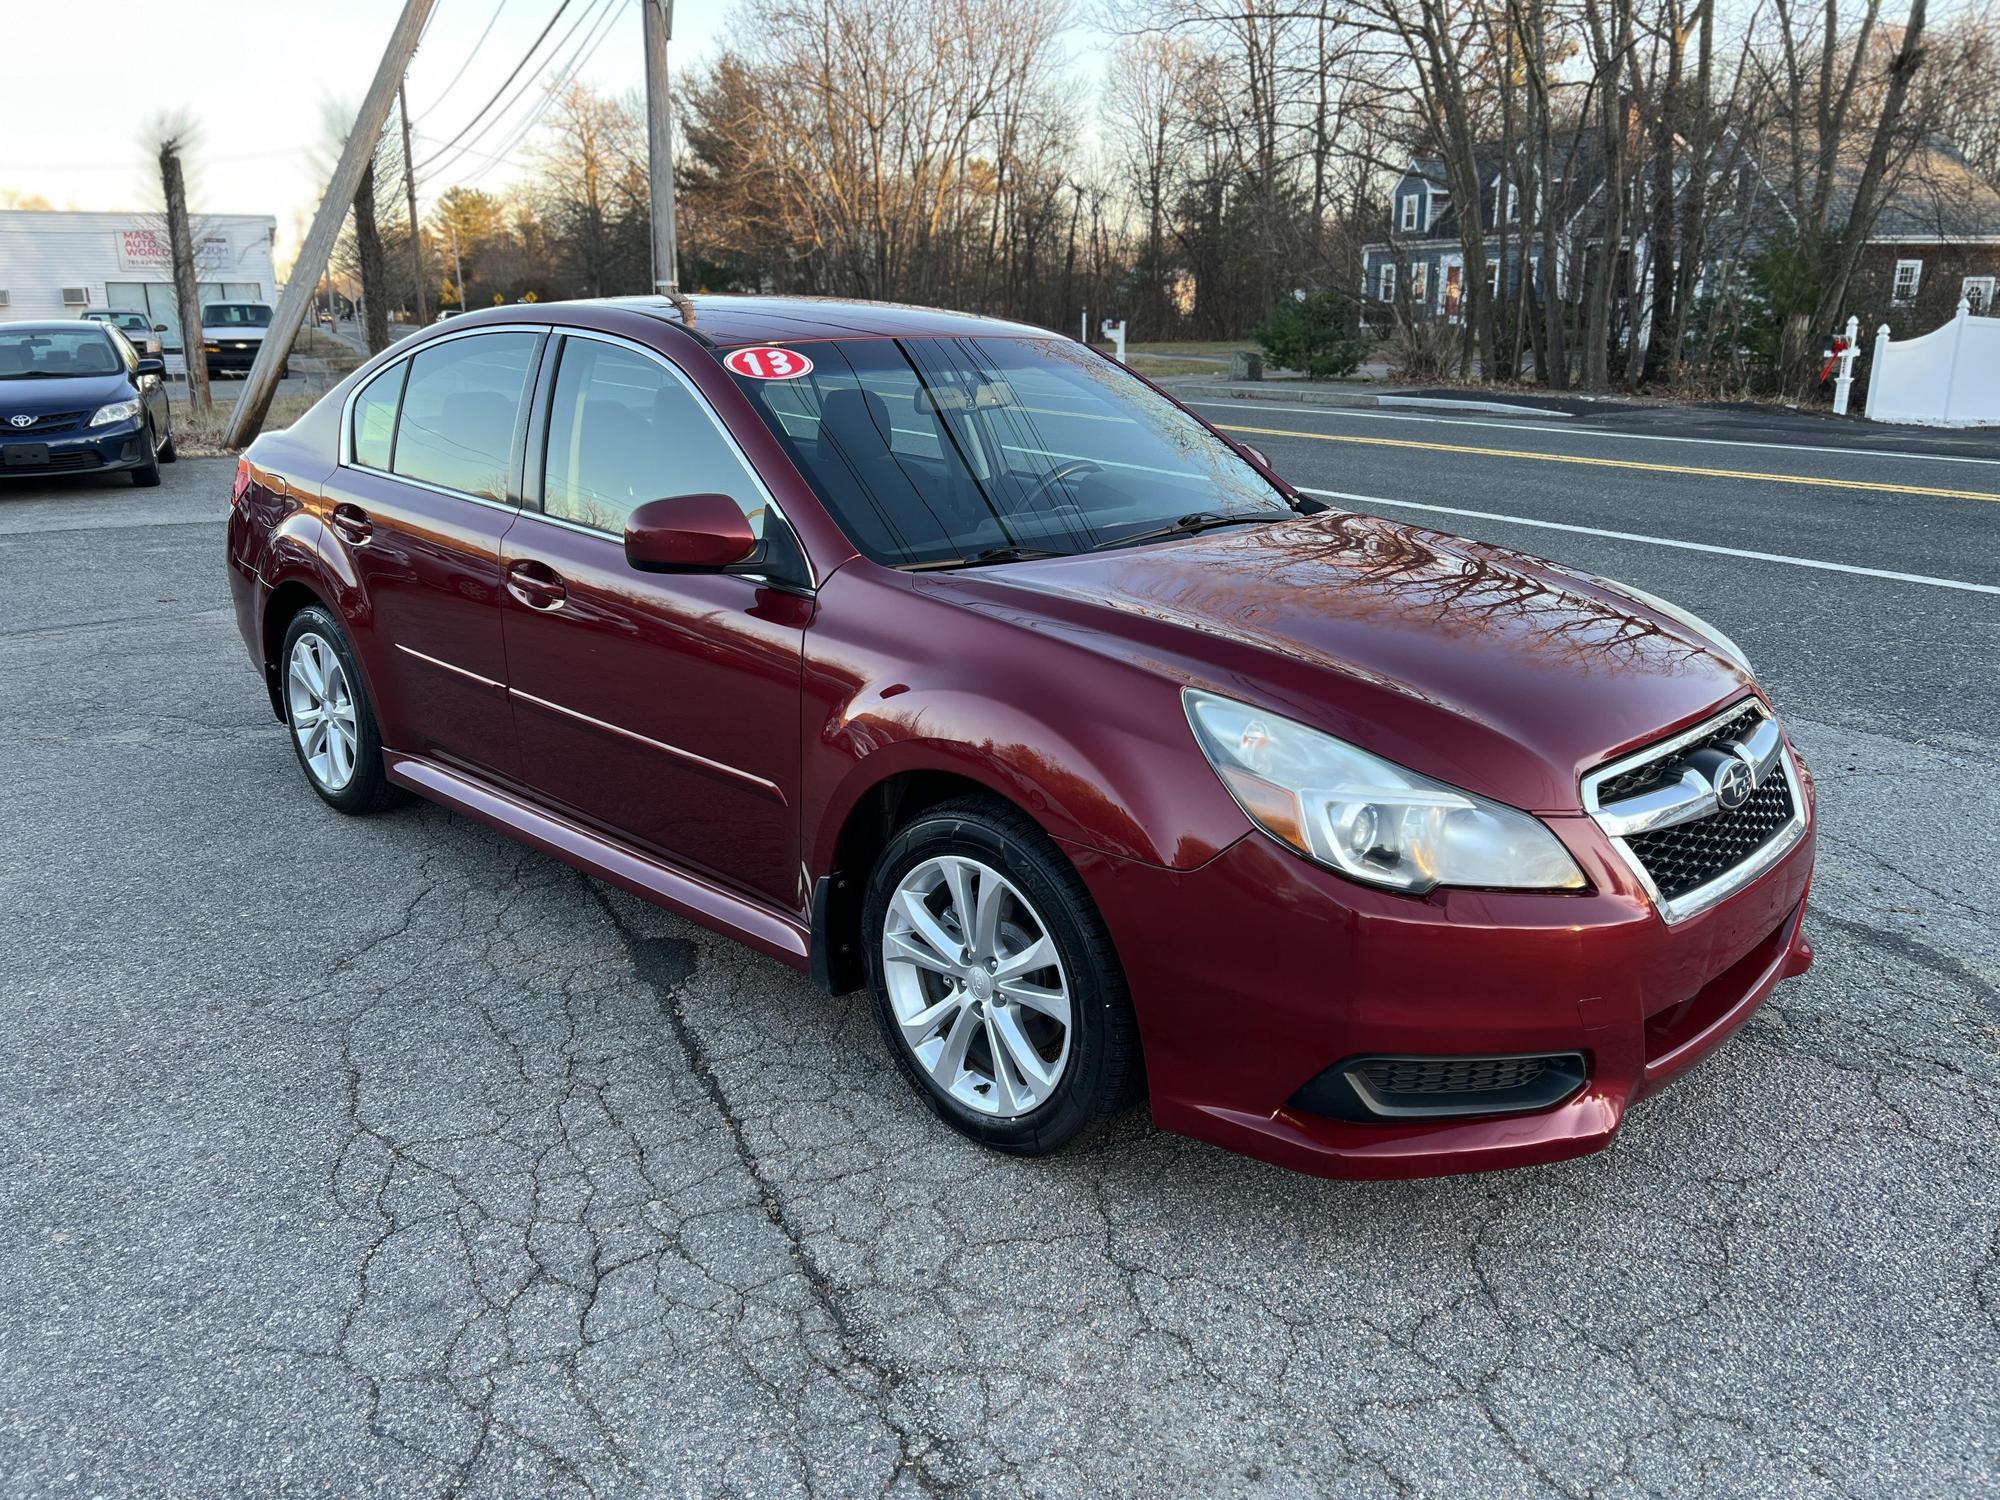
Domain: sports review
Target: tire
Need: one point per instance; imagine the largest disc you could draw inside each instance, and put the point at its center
(357, 752)
(148, 473)
(956, 1035)
(169, 453)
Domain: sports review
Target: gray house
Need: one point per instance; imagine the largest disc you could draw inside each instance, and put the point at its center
(1936, 238)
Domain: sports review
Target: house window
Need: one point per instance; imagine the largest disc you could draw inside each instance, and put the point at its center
(1420, 283)
(1978, 291)
(1410, 211)
(1385, 281)
(1493, 278)
(1909, 273)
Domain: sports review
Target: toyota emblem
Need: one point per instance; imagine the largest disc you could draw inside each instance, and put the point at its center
(1733, 785)
(22, 421)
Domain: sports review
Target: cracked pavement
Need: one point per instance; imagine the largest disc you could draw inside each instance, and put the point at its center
(386, 1157)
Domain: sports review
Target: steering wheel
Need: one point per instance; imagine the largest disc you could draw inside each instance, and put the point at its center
(1061, 474)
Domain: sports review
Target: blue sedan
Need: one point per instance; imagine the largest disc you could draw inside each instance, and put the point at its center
(76, 398)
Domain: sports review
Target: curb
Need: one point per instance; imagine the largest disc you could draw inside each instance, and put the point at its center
(1319, 396)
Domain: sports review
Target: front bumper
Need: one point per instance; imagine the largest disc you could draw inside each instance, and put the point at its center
(231, 357)
(82, 450)
(1256, 972)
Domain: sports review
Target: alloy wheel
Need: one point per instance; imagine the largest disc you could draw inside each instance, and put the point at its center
(322, 711)
(978, 989)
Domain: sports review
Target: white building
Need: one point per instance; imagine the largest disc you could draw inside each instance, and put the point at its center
(54, 265)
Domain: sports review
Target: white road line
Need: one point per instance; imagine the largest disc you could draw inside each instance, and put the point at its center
(1662, 541)
(1596, 432)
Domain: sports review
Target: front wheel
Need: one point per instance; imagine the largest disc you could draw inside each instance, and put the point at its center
(148, 473)
(995, 983)
(327, 709)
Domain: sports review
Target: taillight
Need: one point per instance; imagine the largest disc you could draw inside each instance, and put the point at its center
(240, 490)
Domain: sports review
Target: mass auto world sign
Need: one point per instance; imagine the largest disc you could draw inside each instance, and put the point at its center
(147, 249)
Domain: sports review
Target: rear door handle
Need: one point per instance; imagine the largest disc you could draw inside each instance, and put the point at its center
(352, 522)
(535, 584)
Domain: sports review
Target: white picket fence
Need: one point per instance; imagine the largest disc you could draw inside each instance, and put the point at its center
(1949, 377)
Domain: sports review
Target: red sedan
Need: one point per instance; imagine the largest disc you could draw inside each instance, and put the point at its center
(944, 657)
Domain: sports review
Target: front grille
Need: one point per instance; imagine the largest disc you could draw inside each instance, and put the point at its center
(1689, 855)
(50, 421)
(76, 458)
(1449, 1075)
(1644, 778)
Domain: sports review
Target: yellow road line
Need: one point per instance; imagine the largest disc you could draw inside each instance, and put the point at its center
(1621, 463)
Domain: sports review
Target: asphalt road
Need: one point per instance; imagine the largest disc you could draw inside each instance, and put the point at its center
(385, 1157)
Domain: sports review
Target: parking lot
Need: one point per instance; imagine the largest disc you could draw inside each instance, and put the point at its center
(387, 1157)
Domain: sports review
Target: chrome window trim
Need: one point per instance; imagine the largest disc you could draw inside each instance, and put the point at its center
(715, 421)
(1702, 897)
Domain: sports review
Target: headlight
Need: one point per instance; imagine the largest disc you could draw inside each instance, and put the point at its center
(1690, 619)
(1358, 814)
(117, 411)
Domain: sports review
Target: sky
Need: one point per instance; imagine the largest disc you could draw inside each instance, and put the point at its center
(257, 77)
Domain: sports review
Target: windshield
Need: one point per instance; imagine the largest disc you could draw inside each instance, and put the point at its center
(56, 354)
(929, 450)
(236, 315)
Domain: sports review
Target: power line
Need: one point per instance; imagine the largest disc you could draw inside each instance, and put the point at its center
(561, 6)
(438, 98)
(555, 92)
(445, 155)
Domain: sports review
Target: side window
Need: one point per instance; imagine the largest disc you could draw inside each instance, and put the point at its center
(375, 416)
(460, 406)
(624, 430)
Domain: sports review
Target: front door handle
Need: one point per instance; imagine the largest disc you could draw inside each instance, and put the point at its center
(535, 584)
(352, 522)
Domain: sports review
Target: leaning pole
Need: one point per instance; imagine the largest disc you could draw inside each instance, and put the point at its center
(262, 381)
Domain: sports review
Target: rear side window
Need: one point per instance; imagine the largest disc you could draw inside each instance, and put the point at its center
(375, 417)
(624, 430)
(459, 409)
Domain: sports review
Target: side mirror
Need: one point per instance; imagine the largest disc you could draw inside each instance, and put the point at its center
(1255, 454)
(689, 534)
(152, 367)
(159, 328)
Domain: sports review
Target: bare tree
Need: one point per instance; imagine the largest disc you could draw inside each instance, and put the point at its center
(171, 139)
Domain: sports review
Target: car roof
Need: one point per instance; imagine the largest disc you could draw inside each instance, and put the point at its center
(53, 325)
(724, 320)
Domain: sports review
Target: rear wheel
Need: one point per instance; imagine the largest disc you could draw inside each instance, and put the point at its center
(327, 710)
(995, 983)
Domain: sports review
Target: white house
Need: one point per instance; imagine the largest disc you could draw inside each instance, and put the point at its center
(54, 265)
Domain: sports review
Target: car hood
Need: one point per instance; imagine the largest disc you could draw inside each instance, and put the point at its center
(1495, 671)
(24, 398)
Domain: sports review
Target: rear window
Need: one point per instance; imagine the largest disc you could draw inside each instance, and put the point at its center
(460, 405)
(375, 417)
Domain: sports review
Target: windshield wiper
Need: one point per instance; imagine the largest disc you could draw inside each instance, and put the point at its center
(990, 555)
(1188, 525)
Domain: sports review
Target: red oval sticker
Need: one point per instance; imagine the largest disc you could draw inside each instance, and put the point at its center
(767, 362)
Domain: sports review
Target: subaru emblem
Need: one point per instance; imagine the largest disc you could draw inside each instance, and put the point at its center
(1733, 785)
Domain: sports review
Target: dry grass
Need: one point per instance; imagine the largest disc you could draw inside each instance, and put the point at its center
(198, 433)
(1153, 366)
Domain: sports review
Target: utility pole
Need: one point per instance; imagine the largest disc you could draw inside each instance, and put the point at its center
(457, 265)
(187, 295)
(659, 30)
(410, 185)
(262, 381)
